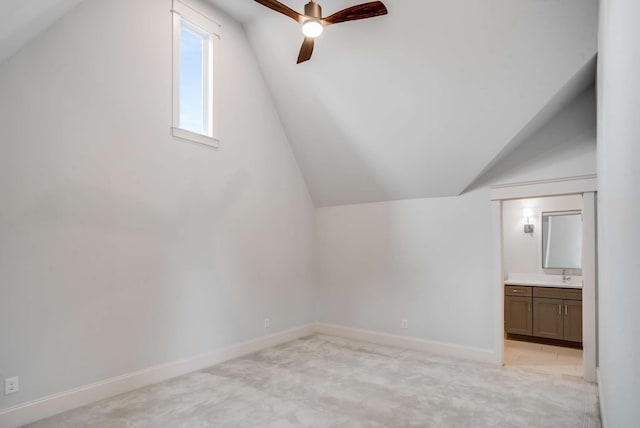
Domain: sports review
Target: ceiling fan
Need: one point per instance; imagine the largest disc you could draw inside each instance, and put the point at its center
(313, 22)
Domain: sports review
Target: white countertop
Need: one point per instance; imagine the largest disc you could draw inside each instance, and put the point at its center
(543, 280)
(554, 284)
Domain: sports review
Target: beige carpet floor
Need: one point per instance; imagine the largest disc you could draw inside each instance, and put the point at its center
(323, 381)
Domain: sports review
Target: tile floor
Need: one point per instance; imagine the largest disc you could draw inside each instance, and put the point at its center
(543, 358)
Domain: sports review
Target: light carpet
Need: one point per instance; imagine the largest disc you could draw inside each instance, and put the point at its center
(324, 381)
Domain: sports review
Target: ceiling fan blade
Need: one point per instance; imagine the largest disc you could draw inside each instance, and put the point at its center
(306, 50)
(285, 10)
(361, 11)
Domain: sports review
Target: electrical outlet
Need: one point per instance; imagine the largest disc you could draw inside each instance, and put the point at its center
(11, 385)
(405, 324)
(267, 323)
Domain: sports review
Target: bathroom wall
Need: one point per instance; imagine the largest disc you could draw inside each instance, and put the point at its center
(523, 251)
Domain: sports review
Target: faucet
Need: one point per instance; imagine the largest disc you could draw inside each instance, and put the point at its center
(565, 278)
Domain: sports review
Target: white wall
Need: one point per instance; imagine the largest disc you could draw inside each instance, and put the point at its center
(619, 210)
(120, 246)
(430, 260)
(523, 251)
(564, 147)
(423, 260)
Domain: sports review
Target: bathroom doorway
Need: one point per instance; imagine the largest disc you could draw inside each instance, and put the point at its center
(542, 271)
(547, 321)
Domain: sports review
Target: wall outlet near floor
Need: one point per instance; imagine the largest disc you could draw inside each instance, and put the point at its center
(267, 323)
(405, 324)
(11, 385)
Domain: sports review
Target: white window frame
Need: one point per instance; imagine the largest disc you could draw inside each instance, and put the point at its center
(203, 25)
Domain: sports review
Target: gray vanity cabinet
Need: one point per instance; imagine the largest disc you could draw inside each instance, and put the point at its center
(557, 313)
(517, 310)
(573, 320)
(544, 312)
(547, 318)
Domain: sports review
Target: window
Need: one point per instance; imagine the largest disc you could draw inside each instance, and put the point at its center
(194, 39)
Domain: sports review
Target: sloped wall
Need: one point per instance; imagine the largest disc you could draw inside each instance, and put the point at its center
(122, 247)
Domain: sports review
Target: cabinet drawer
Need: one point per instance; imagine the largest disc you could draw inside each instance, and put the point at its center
(517, 290)
(557, 293)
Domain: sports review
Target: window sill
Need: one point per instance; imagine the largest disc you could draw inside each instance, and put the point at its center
(183, 134)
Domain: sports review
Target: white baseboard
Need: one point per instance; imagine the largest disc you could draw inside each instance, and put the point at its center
(603, 415)
(440, 348)
(67, 400)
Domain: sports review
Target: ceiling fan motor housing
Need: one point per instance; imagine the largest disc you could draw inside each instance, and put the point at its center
(313, 9)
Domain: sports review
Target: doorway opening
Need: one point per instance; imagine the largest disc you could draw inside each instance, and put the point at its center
(542, 270)
(546, 276)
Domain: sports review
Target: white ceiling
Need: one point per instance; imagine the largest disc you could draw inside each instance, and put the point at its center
(23, 20)
(419, 102)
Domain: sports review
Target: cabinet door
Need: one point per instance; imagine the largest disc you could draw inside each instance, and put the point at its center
(572, 320)
(517, 315)
(548, 318)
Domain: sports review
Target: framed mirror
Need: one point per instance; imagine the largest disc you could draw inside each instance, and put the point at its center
(562, 240)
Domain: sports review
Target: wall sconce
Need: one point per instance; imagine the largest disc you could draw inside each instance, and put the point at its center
(528, 226)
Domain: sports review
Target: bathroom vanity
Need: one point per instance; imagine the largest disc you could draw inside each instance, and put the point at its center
(539, 304)
(547, 312)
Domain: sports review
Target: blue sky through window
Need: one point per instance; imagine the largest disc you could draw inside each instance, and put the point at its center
(191, 82)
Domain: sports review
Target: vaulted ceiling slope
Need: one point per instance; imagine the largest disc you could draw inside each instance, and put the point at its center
(417, 103)
(23, 20)
(420, 102)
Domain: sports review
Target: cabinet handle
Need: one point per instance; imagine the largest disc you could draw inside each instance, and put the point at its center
(529, 306)
(565, 309)
(559, 309)
(517, 291)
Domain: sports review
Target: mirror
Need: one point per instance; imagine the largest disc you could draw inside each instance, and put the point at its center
(562, 240)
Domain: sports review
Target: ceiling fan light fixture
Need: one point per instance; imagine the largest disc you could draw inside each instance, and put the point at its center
(312, 28)
(313, 22)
